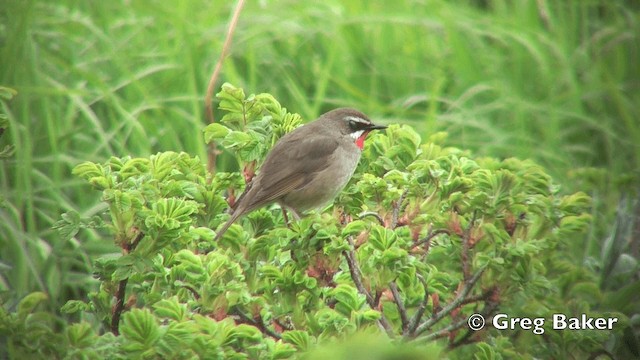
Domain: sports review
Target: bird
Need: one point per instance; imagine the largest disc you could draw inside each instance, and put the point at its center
(307, 167)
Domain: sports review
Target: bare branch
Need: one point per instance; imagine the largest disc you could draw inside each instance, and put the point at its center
(458, 301)
(396, 209)
(193, 292)
(257, 322)
(356, 276)
(415, 320)
(487, 310)
(430, 236)
(373, 214)
(444, 332)
(481, 297)
(118, 307)
(466, 263)
(401, 309)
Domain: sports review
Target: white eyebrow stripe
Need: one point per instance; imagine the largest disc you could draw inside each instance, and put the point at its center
(357, 119)
(356, 134)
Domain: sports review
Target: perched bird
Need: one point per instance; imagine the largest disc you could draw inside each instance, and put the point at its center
(309, 166)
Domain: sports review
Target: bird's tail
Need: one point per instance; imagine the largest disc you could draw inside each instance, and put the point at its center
(236, 214)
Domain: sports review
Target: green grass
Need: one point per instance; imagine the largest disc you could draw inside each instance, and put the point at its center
(557, 82)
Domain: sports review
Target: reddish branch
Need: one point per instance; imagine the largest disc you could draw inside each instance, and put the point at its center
(118, 308)
(414, 326)
(444, 332)
(257, 322)
(466, 246)
(458, 301)
(430, 236)
(489, 307)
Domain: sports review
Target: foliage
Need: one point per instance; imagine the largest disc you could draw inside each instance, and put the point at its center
(423, 236)
(552, 81)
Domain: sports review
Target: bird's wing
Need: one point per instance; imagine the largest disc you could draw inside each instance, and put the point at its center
(290, 165)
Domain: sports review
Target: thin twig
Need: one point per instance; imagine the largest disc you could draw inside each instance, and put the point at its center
(354, 269)
(356, 276)
(444, 332)
(135, 242)
(481, 297)
(430, 236)
(396, 209)
(208, 102)
(415, 320)
(257, 322)
(374, 214)
(193, 292)
(401, 309)
(489, 308)
(466, 264)
(458, 301)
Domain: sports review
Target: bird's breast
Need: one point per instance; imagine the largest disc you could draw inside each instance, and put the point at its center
(325, 184)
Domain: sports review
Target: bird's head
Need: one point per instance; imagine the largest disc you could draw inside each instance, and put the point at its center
(352, 123)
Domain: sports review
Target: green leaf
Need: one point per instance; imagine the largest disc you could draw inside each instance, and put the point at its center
(74, 306)
(298, 338)
(7, 151)
(28, 304)
(202, 233)
(171, 309)
(283, 350)
(575, 203)
(354, 228)
(370, 315)
(247, 332)
(215, 131)
(88, 170)
(7, 93)
(80, 335)
(484, 351)
(381, 238)
(349, 300)
(69, 225)
(237, 139)
(140, 326)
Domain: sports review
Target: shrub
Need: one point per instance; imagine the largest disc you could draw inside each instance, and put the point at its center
(423, 237)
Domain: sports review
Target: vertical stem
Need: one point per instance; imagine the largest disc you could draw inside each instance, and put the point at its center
(119, 307)
(213, 153)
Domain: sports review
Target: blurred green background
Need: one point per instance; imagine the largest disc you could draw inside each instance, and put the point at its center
(554, 81)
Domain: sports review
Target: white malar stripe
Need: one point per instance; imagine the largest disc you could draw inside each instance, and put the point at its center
(356, 134)
(357, 119)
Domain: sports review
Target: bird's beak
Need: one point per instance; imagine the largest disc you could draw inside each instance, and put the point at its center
(376, 127)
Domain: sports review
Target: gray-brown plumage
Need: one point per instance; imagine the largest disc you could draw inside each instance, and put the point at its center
(309, 166)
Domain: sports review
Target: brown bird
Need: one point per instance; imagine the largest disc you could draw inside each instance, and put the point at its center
(309, 166)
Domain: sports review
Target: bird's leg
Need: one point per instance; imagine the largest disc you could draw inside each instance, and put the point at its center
(294, 212)
(284, 215)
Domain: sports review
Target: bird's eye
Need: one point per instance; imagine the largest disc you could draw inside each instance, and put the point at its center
(356, 123)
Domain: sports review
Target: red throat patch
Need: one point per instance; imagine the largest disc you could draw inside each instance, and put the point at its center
(360, 140)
